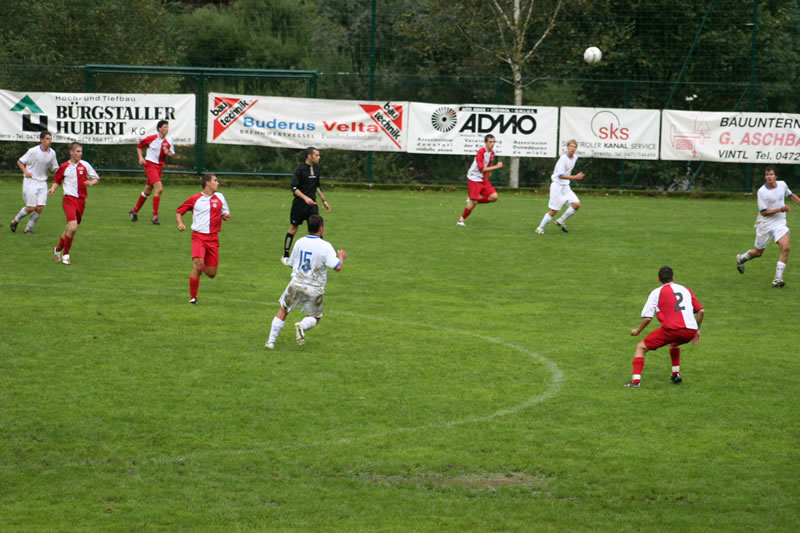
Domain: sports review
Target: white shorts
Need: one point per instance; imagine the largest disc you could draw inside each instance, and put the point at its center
(34, 192)
(769, 233)
(310, 298)
(560, 195)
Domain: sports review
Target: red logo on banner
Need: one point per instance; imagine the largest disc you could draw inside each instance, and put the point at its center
(388, 117)
(226, 111)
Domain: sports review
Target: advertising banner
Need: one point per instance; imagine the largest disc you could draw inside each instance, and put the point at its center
(611, 133)
(303, 122)
(95, 118)
(520, 131)
(730, 137)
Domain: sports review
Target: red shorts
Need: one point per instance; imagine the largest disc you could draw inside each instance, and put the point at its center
(673, 337)
(206, 245)
(73, 208)
(153, 172)
(478, 189)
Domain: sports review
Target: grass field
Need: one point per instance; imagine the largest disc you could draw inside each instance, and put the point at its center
(463, 379)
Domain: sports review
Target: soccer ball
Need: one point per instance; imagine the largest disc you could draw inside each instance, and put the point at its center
(592, 55)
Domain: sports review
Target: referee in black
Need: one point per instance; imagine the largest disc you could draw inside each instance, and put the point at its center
(305, 187)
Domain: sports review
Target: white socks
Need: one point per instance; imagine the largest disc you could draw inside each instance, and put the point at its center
(277, 326)
(744, 257)
(308, 322)
(779, 270)
(568, 213)
(22, 214)
(32, 222)
(545, 220)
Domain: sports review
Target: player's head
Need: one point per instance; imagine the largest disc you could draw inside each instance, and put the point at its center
(665, 274)
(572, 147)
(46, 138)
(163, 124)
(312, 155)
(44, 134)
(315, 224)
(489, 140)
(770, 169)
(75, 151)
(209, 180)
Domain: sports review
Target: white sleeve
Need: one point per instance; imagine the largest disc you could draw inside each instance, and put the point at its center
(24, 159)
(171, 146)
(225, 209)
(92, 173)
(787, 192)
(651, 306)
(331, 259)
(762, 200)
(54, 161)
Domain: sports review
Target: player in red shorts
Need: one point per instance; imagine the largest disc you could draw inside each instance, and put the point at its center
(209, 209)
(676, 307)
(479, 187)
(158, 146)
(76, 175)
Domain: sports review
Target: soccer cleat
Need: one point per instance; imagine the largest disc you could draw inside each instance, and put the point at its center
(285, 261)
(562, 226)
(778, 282)
(739, 265)
(461, 223)
(540, 231)
(156, 222)
(632, 385)
(14, 224)
(193, 301)
(134, 215)
(300, 334)
(56, 256)
(28, 231)
(676, 378)
(65, 259)
(270, 345)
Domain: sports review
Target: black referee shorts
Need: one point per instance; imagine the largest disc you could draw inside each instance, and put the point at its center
(301, 211)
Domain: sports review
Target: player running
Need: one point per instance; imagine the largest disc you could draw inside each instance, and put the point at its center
(34, 166)
(159, 146)
(479, 187)
(560, 189)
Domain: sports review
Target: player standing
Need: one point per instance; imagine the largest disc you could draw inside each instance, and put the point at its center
(771, 223)
(209, 208)
(311, 258)
(159, 146)
(479, 187)
(34, 165)
(76, 174)
(675, 306)
(305, 187)
(560, 190)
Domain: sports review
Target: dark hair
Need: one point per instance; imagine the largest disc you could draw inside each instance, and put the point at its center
(772, 168)
(310, 150)
(205, 178)
(665, 274)
(315, 222)
(44, 134)
(161, 123)
(488, 136)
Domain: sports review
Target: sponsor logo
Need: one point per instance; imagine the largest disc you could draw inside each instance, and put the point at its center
(226, 111)
(499, 123)
(27, 124)
(444, 119)
(389, 119)
(607, 126)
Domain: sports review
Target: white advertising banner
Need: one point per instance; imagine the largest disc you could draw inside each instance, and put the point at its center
(611, 133)
(520, 131)
(303, 122)
(730, 137)
(95, 118)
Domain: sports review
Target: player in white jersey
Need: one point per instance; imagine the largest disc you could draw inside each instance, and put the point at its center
(34, 165)
(311, 258)
(560, 190)
(771, 223)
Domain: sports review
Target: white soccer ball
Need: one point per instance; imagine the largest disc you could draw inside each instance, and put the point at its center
(592, 55)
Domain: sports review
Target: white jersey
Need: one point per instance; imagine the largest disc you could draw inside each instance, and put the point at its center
(772, 199)
(564, 167)
(38, 162)
(311, 258)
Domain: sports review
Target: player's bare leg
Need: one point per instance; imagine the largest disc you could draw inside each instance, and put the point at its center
(747, 256)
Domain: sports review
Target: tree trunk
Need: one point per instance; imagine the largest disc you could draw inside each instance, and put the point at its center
(513, 176)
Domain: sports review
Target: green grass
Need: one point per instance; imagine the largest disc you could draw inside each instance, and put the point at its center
(463, 379)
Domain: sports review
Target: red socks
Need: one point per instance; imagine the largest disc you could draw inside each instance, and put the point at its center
(638, 366)
(60, 244)
(675, 355)
(140, 202)
(156, 201)
(194, 284)
(466, 213)
(67, 245)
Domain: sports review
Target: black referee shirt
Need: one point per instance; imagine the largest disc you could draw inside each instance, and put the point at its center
(306, 178)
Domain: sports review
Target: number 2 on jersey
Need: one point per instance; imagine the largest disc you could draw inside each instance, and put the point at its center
(678, 306)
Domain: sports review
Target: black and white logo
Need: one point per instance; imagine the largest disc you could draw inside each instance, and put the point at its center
(444, 119)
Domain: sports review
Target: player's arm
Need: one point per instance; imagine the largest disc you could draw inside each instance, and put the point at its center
(306, 199)
(57, 179)
(24, 169)
(324, 201)
(139, 151)
(795, 199)
(699, 317)
(645, 321)
(188, 205)
(92, 182)
(578, 176)
(342, 255)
